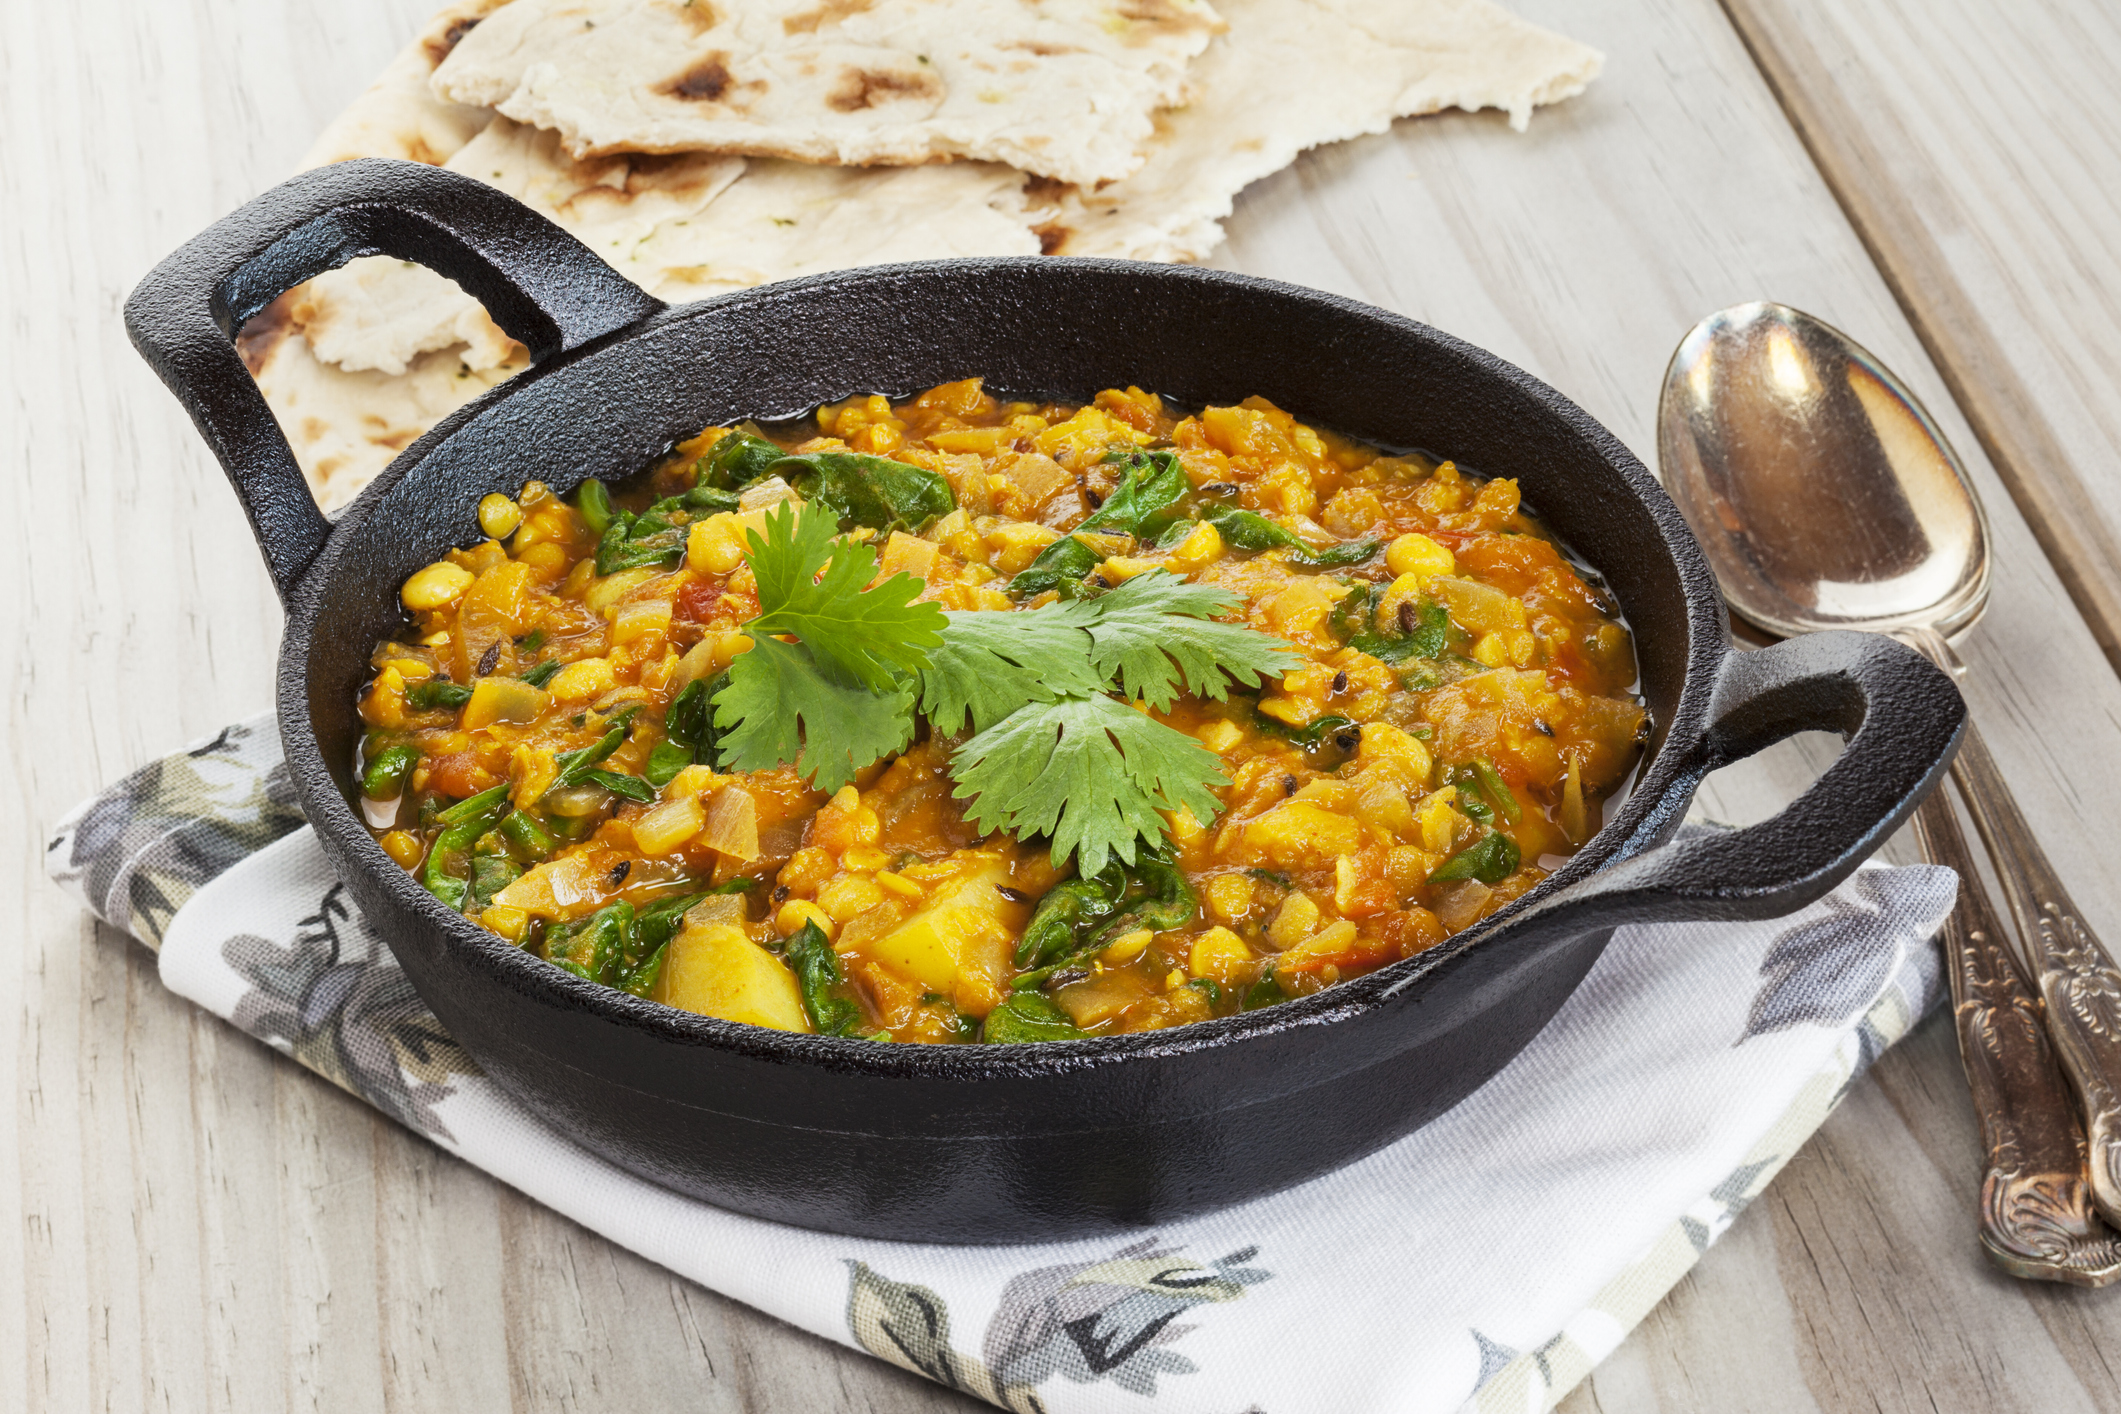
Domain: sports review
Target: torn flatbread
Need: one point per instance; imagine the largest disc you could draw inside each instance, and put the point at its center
(1336, 69)
(380, 314)
(682, 227)
(1060, 88)
(399, 115)
(346, 427)
(783, 219)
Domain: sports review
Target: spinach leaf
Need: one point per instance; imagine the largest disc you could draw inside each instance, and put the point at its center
(435, 693)
(689, 732)
(1165, 900)
(594, 502)
(647, 943)
(1496, 789)
(1314, 735)
(874, 491)
(631, 787)
(1419, 631)
(1245, 530)
(699, 501)
(593, 947)
(486, 806)
(1490, 859)
(1065, 913)
(645, 541)
(1027, 1016)
(1152, 483)
(737, 460)
(1152, 893)
(529, 838)
(1061, 565)
(491, 873)
(464, 822)
(665, 760)
(387, 771)
(575, 766)
(818, 975)
(1432, 631)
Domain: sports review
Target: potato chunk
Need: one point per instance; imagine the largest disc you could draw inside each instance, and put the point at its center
(716, 971)
(960, 944)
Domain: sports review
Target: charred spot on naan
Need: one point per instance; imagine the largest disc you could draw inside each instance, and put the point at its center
(858, 89)
(438, 46)
(697, 13)
(1167, 17)
(705, 82)
(831, 12)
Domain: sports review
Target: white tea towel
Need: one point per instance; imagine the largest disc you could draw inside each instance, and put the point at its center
(1484, 1263)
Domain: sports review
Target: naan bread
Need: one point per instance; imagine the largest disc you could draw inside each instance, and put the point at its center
(346, 427)
(783, 219)
(1335, 69)
(359, 363)
(1061, 88)
(381, 314)
(399, 115)
(682, 227)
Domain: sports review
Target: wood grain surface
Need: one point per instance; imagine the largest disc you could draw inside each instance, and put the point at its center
(198, 1224)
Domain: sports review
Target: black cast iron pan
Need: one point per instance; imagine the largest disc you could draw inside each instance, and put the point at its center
(977, 1143)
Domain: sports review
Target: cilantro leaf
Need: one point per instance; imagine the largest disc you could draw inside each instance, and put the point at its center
(866, 633)
(1089, 772)
(785, 703)
(993, 661)
(1155, 632)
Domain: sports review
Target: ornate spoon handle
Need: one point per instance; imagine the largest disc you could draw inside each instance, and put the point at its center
(2037, 1219)
(2071, 968)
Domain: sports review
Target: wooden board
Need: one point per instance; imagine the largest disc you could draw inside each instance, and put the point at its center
(199, 1224)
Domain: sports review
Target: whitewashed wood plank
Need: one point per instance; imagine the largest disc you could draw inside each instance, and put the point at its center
(444, 1337)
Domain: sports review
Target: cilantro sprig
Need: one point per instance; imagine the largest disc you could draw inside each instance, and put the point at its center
(840, 697)
(1055, 749)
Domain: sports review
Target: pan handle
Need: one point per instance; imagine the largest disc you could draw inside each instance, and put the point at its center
(548, 290)
(1902, 719)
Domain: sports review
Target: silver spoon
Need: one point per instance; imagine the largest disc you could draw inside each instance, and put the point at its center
(1826, 498)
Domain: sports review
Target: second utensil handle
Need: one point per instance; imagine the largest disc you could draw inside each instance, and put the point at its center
(2078, 983)
(2036, 1215)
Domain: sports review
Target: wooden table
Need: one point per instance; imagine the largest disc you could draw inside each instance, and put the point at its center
(198, 1224)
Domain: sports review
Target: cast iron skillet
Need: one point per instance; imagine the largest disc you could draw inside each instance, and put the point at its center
(976, 1143)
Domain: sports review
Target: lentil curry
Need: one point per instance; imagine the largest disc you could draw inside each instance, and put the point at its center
(1317, 707)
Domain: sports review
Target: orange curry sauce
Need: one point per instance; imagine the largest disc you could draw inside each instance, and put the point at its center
(1466, 697)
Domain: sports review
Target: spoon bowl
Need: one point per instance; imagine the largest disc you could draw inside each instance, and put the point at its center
(1823, 494)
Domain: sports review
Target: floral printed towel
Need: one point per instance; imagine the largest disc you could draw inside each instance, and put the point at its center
(1485, 1263)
